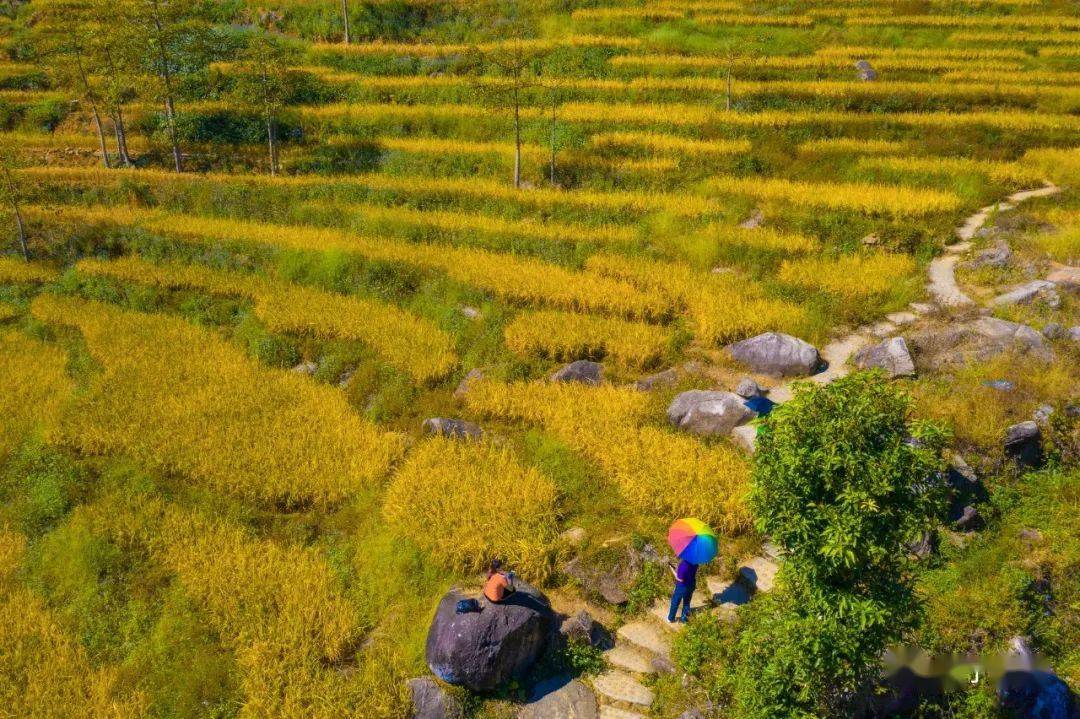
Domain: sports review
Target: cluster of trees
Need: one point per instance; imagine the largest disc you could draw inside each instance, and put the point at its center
(110, 53)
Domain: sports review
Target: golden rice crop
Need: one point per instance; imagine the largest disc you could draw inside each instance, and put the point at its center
(62, 140)
(399, 338)
(442, 49)
(869, 199)
(1061, 165)
(517, 278)
(569, 336)
(762, 238)
(1056, 22)
(45, 673)
(16, 271)
(852, 277)
(33, 386)
(655, 470)
(454, 146)
(1030, 77)
(755, 20)
(1014, 37)
(955, 53)
(627, 13)
(1010, 172)
(466, 503)
(179, 398)
(799, 62)
(722, 307)
(461, 222)
(1063, 51)
(853, 145)
(8, 311)
(448, 187)
(658, 142)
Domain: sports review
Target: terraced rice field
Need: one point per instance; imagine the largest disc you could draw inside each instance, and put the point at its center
(223, 372)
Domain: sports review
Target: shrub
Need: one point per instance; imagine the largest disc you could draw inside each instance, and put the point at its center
(842, 478)
(466, 503)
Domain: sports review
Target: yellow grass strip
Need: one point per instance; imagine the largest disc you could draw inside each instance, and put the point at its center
(517, 278)
(938, 53)
(870, 199)
(1031, 77)
(798, 62)
(658, 142)
(433, 500)
(569, 336)
(413, 345)
(16, 271)
(627, 13)
(726, 19)
(1062, 51)
(1009, 172)
(605, 424)
(1016, 37)
(850, 278)
(1060, 164)
(33, 386)
(853, 145)
(469, 222)
(443, 49)
(179, 398)
(1056, 22)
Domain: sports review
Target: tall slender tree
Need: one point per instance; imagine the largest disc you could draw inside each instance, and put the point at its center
(11, 195)
(263, 79)
(345, 19)
(63, 32)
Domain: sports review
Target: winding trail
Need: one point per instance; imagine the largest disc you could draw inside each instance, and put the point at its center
(943, 290)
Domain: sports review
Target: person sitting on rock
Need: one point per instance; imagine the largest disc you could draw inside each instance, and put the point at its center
(685, 583)
(499, 584)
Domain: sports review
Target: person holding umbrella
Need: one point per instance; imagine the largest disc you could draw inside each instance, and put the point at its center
(694, 544)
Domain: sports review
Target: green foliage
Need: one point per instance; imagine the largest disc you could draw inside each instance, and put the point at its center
(39, 486)
(842, 478)
(649, 586)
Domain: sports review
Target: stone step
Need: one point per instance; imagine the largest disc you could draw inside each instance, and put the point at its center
(647, 636)
(629, 659)
(618, 687)
(728, 594)
(901, 318)
(759, 574)
(745, 437)
(701, 601)
(609, 712)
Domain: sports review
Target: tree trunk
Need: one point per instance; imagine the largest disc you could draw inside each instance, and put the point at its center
(170, 118)
(728, 103)
(345, 17)
(517, 137)
(166, 78)
(272, 139)
(121, 137)
(553, 127)
(20, 229)
(100, 134)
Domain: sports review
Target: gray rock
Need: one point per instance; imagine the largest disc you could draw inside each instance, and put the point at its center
(607, 583)
(667, 378)
(583, 629)
(431, 701)
(583, 371)
(453, 428)
(1053, 331)
(1074, 333)
(1027, 293)
(777, 354)
(748, 388)
(473, 376)
(708, 413)
(560, 698)
(969, 520)
(1066, 277)
(980, 340)
(1035, 694)
(574, 536)
(482, 650)
(996, 256)
(864, 71)
(754, 221)
(1031, 535)
(891, 355)
(924, 546)
(662, 665)
(1042, 413)
(470, 312)
(308, 368)
(1023, 442)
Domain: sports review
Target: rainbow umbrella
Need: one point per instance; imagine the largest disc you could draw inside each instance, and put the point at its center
(692, 540)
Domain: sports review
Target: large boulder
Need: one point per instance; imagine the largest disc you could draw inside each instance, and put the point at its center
(1023, 442)
(776, 354)
(1036, 695)
(891, 355)
(708, 413)
(430, 701)
(864, 71)
(560, 698)
(977, 341)
(1028, 293)
(482, 650)
(583, 371)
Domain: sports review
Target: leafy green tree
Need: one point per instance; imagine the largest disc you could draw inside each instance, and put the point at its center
(11, 195)
(264, 80)
(843, 478)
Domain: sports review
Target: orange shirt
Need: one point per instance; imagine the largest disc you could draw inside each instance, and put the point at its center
(497, 587)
